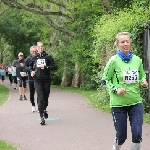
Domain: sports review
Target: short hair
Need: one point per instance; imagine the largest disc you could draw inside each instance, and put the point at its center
(34, 46)
(121, 33)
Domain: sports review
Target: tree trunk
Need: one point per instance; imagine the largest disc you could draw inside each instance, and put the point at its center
(67, 77)
(76, 76)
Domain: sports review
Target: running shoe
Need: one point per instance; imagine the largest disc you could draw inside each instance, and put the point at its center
(25, 97)
(42, 121)
(33, 109)
(20, 97)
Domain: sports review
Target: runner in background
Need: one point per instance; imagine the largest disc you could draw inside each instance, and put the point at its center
(3, 73)
(10, 74)
(6, 70)
(28, 68)
(21, 75)
(14, 77)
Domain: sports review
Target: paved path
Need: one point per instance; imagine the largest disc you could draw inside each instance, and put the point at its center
(73, 124)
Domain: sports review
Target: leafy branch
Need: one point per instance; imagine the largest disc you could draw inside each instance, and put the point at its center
(38, 8)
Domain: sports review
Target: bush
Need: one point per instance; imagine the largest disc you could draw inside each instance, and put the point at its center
(133, 20)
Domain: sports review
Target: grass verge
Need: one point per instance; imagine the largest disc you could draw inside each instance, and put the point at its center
(6, 146)
(4, 94)
(93, 97)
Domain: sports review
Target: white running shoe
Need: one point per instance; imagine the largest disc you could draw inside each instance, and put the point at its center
(33, 109)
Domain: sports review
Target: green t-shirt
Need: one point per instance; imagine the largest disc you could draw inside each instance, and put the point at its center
(118, 74)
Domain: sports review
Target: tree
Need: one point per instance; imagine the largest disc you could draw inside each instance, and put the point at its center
(46, 8)
(22, 29)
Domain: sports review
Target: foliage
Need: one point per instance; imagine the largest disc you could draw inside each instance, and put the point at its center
(22, 29)
(52, 10)
(79, 48)
(5, 49)
(79, 17)
(133, 20)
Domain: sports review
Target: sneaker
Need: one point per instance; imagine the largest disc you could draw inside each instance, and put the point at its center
(20, 97)
(42, 121)
(45, 114)
(33, 109)
(25, 97)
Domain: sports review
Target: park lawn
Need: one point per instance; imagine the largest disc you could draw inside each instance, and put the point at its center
(6, 146)
(4, 94)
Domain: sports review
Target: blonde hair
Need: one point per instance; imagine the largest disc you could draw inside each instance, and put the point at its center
(40, 42)
(117, 37)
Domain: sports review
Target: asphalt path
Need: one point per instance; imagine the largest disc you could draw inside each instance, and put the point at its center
(73, 124)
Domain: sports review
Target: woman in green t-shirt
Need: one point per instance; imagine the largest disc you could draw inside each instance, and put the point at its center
(123, 75)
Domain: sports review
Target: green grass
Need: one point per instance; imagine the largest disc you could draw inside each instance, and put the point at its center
(147, 118)
(4, 94)
(3, 98)
(93, 97)
(6, 146)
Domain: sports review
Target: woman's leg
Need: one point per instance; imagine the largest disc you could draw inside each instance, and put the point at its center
(120, 122)
(136, 122)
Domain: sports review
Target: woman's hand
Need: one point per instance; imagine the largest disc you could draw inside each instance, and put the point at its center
(144, 83)
(121, 91)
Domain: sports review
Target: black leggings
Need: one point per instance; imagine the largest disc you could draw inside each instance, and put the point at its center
(32, 92)
(3, 78)
(43, 90)
(14, 79)
(10, 78)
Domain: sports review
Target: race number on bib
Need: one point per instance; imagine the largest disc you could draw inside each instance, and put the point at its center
(23, 74)
(131, 76)
(41, 62)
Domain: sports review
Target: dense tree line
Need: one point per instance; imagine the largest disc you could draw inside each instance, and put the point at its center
(66, 27)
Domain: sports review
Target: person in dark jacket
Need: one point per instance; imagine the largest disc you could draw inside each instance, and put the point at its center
(43, 64)
(21, 75)
(33, 51)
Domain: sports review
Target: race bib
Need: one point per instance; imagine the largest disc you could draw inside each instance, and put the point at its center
(41, 62)
(23, 74)
(131, 76)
